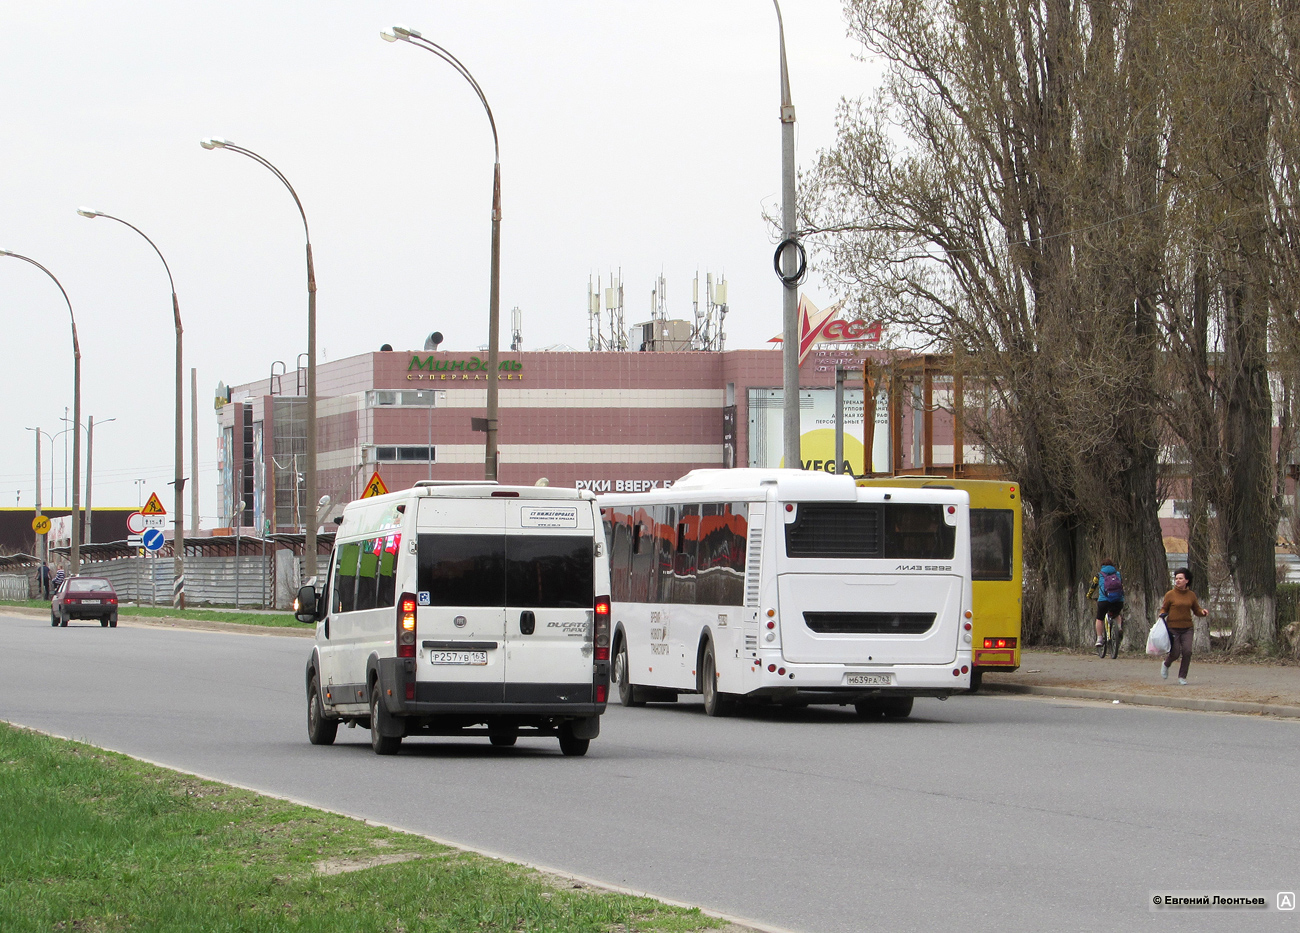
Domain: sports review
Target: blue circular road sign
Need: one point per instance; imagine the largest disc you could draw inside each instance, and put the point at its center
(153, 539)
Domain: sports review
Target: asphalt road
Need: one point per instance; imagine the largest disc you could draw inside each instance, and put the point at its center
(981, 813)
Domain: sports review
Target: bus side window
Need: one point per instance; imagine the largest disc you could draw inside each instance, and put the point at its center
(737, 543)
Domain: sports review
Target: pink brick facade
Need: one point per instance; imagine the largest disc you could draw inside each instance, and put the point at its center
(575, 418)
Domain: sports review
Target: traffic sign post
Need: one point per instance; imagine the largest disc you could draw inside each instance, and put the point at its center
(41, 524)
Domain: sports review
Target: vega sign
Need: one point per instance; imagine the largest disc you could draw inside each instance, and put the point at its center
(817, 326)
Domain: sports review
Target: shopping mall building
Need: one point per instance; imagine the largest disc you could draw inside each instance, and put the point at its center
(605, 421)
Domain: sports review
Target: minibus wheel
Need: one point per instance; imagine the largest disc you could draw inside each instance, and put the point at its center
(320, 728)
(382, 744)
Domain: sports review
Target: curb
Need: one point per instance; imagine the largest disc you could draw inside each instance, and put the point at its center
(1147, 699)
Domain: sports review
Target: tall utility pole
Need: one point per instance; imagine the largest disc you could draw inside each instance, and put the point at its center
(194, 453)
(178, 535)
(791, 264)
(413, 37)
(43, 545)
(75, 549)
(311, 518)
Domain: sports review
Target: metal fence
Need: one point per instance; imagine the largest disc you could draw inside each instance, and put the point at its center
(244, 581)
(15, 586)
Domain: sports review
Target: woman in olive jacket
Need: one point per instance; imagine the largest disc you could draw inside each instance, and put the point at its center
(1177, 609)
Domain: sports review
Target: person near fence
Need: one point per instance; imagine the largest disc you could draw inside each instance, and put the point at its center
(59, 576)
(43, 578)
(1177, 609)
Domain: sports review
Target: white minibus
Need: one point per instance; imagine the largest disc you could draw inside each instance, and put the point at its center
(791, 587)
(462, 608)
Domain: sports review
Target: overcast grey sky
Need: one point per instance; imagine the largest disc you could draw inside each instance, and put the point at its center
(640, 135)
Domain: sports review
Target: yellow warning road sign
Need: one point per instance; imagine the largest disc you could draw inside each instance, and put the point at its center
(154, 506)
(375, 487)
(41, 524)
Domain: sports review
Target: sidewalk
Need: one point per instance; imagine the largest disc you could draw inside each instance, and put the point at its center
(1213, 685)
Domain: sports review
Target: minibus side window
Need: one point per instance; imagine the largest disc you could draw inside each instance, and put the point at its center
(345, 578)
(368, 574)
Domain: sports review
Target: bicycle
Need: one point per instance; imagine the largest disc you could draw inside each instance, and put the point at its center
(1114, 635)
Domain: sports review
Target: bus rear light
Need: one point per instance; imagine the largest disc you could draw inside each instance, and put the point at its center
(771, 668)
(771, 625)
(602, 628)
(952, 510)
(965, 669)
(968, 614)
(956, 672)
(410, 690)
(999, 643)
(600, 693)
(781, 671)
(406, 626)
(966, 626)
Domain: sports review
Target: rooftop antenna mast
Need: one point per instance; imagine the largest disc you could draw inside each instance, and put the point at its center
(516, 329)
(716, 315)
(614, 305)
(593, 314)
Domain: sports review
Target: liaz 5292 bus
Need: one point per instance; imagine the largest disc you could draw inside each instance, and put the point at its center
(791, 587)
(996, 566)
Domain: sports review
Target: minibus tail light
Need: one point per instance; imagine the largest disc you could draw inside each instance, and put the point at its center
(406, 626)
(602, 628)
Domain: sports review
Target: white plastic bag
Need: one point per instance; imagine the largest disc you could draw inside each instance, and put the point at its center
(1158, 639)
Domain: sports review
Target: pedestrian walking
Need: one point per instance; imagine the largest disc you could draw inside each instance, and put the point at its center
(43, 578)
(59, 576)
(1110, 598)
(1177, 609)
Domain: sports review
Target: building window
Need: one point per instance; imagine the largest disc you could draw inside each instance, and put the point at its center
(406, 454)
(406, 398)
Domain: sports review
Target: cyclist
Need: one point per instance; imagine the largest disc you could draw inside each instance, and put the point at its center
(1110, 598)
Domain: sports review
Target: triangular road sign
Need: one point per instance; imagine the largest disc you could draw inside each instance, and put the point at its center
(375, 487)
(154, 506)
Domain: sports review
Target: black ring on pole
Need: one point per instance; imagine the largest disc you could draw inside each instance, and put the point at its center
(801, 273)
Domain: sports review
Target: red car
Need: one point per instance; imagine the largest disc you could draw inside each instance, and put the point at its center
(85, 598)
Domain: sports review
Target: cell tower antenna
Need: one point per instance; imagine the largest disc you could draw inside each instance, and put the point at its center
(516, 329)
(593, 316)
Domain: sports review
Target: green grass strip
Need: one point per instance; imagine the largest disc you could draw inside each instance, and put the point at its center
(95, 841)
(279, 619)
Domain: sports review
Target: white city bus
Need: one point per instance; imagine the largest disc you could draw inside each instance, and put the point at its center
(789, 586)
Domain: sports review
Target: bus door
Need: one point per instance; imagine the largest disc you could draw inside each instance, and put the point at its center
(460, 598)
(870, 583)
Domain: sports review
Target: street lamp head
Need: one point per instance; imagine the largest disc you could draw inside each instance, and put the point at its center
(5, 252)
(214, 143)
(407, 33)
(387, 36)
(87, 212)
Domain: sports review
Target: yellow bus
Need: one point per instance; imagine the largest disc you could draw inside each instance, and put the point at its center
(996, 566)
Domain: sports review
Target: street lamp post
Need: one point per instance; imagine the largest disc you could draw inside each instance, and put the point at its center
(310, 520)
(90, 460)
(494, 295)
(791, 264)
(178, 537)
(75, 549)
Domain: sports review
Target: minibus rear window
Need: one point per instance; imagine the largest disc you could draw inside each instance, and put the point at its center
(550, 572)
(463, 570)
